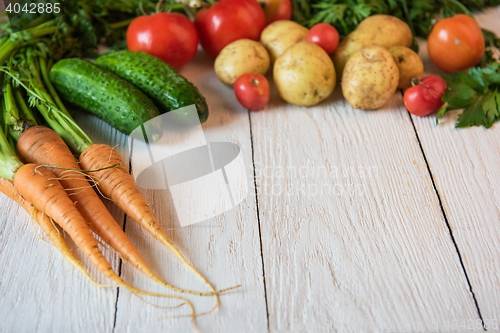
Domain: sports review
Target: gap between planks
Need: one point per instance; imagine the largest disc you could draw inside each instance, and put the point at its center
(446, 220)
(124, 225)
(258, 220)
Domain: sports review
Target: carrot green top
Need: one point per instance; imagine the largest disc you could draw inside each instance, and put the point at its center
(32, 63)
(9, 163)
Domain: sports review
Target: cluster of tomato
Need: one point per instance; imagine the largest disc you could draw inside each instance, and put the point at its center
(454, 44)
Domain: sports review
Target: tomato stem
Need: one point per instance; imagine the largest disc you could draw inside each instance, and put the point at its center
(255, 82)
(415, 81)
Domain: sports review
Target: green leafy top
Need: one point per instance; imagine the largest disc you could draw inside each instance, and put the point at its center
(477, 91)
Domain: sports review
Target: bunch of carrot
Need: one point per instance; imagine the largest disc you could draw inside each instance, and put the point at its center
(54, 186)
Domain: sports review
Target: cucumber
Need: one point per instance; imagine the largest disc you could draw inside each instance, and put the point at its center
(102, 93)
(166, 87)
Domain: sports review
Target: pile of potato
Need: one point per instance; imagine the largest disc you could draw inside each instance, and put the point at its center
(303, 72)
(371, 62)
(375, 59)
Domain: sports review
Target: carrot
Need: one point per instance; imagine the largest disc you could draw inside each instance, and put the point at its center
(50, 229)
(35, 183)
(40, 187)
(42, 145)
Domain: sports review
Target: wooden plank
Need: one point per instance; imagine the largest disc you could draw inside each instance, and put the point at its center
(464, 164)
(352, 232)
(225, 249)
(39, 290)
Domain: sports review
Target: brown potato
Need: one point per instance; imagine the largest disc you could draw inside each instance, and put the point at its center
(280, 35)
(370, 78)
(382, 30)
(409, 65)
(241, 57)
(304, 74)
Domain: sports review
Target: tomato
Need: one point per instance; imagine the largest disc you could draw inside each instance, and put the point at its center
(456, 43)
(227, 21)
(172, 37)
(425, 98)
(325, 36)
(283, 11)
(252, 91)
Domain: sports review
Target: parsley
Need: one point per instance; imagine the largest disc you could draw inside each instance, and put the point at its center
(477, 91)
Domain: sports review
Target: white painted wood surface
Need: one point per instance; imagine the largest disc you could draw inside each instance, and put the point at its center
(353, 236)
(370, 253)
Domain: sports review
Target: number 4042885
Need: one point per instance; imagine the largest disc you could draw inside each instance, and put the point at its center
(34, 8)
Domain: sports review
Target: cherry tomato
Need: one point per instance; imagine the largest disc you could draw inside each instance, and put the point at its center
(325, 36)
(252, 91)
(172, 37)
(425, 97)
(227, 21)
(283, 11)
(456, 43)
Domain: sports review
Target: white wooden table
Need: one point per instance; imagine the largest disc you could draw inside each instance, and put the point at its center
(356, 221)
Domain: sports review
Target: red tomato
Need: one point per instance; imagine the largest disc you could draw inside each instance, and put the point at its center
(227, 21)
(325, 36)
(425, 98)
(252, 91)
(456, 43)
(172, 37)
(282, 12)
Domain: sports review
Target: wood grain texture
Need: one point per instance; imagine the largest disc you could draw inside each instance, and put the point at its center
(39, 290)
(225, 249)
(356, 242)
(464, 164)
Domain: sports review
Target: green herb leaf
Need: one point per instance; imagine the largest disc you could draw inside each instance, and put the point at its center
(478, 91)
(489, 105)
(458, 94)
(473, 116)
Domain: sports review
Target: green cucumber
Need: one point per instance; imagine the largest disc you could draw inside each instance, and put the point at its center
(102, 93)
(166, 87)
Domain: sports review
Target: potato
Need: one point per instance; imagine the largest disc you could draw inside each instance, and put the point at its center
(409, 65)
(241, 57)
(280, 35)
(387, 30)
(370, 78)
(382, 30)
(304, 75)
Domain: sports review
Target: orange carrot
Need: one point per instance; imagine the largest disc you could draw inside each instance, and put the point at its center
(118, 185)
(42, 145)
(41, 188)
